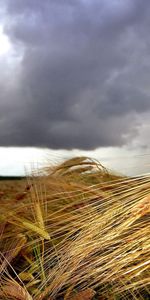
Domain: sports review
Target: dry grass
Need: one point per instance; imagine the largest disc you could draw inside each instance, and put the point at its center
(79, 232)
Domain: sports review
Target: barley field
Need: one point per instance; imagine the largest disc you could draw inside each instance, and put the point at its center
(75, 231)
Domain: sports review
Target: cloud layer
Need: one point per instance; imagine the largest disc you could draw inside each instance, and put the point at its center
(78, 75)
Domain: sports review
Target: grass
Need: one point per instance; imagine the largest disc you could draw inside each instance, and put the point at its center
(76, 232)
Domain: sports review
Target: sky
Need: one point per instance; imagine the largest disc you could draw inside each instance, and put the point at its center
(74, 79)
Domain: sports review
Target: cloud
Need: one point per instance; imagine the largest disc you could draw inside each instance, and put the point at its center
(81, 73)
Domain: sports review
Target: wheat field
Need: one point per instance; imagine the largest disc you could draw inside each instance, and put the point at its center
(75, 231)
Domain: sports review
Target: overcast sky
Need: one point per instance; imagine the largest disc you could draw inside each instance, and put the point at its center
(75, 74)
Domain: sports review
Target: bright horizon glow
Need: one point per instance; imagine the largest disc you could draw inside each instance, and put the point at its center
(19, 161)
(5, 45)
(22, 161)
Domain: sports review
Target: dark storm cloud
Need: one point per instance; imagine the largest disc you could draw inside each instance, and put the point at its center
(82, 78)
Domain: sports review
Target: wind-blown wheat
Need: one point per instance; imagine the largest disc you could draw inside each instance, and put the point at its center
(84, 228)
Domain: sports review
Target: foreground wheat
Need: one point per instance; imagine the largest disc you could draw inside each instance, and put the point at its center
(76, 232)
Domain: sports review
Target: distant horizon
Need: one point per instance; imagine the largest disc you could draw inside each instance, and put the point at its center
(16, 161)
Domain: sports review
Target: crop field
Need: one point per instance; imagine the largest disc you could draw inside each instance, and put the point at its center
(75, 231)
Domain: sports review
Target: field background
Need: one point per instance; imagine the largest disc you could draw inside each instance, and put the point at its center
(76, 231)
